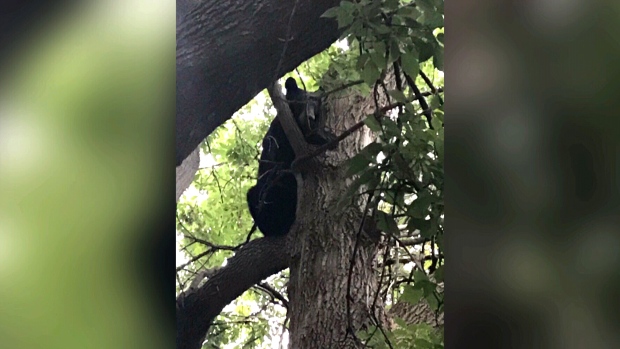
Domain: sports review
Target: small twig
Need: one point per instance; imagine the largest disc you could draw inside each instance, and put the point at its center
(252, 230)
(344, 87)
(193, 259)
(212, 245)
(420, 98)
(274, 293)
(429, 83)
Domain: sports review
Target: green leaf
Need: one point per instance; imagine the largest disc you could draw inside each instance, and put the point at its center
(419, 224)
(425, 50)
(431, 19)
(362, 60)
(438, 57)
(409, 63)
(372, 123)
(436, 121)
(356, 28)
(372, 149)
(419, 208)
(386, 223)
(419, 278)
(429, 230)
(422, 343)
(382, 29)
(392, 197)
(378, 59)
(379, 46)
(432, 301)
(439, 241)
(435, 102)
(357, 164)
(331, 12)
(400, 322)
(399, 96)
(371, 73)
(426, 5)
(438, 274)
(390, 127)
(347, 6)
(411, 295)
(439, 149)
(409, 12)
(394, 50)
(410, 109)
(392, 4)
(344, 19)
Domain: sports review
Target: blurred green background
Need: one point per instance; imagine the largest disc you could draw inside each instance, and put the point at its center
(533, 174)
(86, 128)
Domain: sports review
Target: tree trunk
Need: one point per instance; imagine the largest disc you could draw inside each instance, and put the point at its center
(230, 50)
(331, 298)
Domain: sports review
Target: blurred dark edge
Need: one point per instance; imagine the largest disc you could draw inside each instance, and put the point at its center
(156, 257)
(19, 18)
(155, 248)
(532, 171)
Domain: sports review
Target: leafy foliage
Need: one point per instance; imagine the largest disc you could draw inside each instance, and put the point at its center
(415, 336)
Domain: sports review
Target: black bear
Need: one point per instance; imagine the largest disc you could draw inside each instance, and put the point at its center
(306, 107)
(307, 110)
(273, 200)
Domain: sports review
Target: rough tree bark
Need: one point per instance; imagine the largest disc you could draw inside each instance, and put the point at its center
(329, 299)
(228, 51)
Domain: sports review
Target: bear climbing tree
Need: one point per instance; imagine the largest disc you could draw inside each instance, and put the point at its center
(273, 200)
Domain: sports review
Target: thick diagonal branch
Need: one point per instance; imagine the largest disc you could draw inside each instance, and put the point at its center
(196, 310)
(285, 117)
(228, 51)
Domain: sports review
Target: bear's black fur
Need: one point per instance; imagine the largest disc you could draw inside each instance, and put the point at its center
(306, 107)
(273, 200)
(307, 110)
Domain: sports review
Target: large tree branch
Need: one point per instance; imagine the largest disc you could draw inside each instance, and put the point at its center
(285, 118)
(228, 51)
(253, 262)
